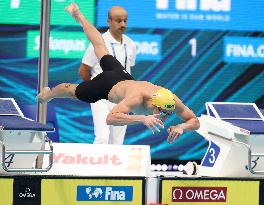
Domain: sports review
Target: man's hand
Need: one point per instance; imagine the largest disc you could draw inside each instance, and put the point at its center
(174, 133)
(153, 122)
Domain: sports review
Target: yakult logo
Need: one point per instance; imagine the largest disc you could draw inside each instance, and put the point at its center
(193, 5)
(199, 194)
(62, 158)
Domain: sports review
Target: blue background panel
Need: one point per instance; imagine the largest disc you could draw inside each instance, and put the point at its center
(189, 14)
(191, 64)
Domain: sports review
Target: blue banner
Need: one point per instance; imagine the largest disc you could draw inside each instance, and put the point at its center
(244, 49)
(188, 14)
(148, 46)
(104, 193)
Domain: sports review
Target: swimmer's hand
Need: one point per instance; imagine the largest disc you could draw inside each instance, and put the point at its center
(174, 133)
(153, 122)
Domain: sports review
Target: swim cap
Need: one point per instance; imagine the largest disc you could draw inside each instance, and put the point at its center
(163, 99)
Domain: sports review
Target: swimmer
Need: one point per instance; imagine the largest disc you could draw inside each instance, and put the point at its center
(150, 104)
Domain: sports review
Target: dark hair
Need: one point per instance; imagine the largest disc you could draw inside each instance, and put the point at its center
(109, 15)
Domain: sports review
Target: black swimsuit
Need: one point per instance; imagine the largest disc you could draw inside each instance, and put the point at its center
(99, 87)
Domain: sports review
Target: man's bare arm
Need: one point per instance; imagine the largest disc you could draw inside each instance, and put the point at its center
(120, 116)
(190, 123)
(190, 120)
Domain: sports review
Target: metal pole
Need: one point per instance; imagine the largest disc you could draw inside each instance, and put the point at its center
(43, 63)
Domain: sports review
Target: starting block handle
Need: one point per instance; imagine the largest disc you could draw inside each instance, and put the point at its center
(45, 152)
(249, 164)
(250, 155)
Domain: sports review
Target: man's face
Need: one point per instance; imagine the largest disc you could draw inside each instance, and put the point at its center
(117, 21)
(164, 114)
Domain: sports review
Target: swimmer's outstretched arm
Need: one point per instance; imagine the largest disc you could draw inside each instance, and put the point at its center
(91, 32)
(119, 115)
(190, 121)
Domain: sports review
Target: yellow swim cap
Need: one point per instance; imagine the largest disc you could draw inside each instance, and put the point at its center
(164, 99)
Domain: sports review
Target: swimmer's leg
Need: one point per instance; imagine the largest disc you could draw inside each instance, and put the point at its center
(64, 90)
(91, 32)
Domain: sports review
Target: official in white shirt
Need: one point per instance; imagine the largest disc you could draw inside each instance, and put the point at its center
(124, 50)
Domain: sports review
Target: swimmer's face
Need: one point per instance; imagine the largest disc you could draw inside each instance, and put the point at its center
(164, 114)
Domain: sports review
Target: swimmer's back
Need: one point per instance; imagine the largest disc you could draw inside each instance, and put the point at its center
(129, 88)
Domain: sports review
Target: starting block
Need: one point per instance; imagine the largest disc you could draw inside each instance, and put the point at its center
(22, 140)
(235, 132)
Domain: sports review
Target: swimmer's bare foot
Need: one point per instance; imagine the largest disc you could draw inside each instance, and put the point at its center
(73, 10)
(42, 97)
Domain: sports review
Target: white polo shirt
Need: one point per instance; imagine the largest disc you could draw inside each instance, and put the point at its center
(124, 52)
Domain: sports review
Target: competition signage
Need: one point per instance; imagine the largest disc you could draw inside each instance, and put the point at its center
(73, 45)
(189, 14)
(61, 44)
(92, 191)
(149, 46)
(100, 160)
(243, 49)
(211, 155)
(212, 191)
(199, 194)
(28, 12)
(104, 193)
(27, 191)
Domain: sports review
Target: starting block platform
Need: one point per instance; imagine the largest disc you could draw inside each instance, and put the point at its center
(235, 132)
(22, 140)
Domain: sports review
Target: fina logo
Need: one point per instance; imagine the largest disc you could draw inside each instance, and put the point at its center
(97, 193)
(194, 5)
(104, 193)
